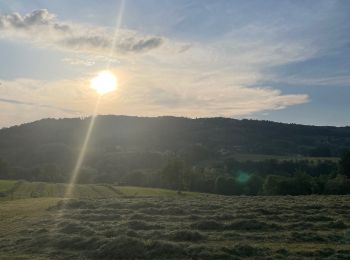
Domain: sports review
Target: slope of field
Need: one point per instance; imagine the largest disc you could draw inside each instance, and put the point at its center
(12, 190)
(138, 223)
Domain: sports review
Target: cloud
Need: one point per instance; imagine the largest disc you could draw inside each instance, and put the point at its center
(194, 79)
(43, 28)
(32, 21)
(71, 98)
(18, 102)
(77, 61)
(26, 100)
(320, 80)
(209, 100)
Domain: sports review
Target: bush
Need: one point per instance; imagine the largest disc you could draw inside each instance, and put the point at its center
(227, 186)
(338, 185)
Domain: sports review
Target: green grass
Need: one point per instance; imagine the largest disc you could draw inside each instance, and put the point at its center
(262, 157)
(118, 222)
(23, 189)
(6, 185)
(140, 191)
(18, 214)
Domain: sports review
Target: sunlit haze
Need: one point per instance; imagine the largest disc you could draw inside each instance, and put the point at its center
(104, 82)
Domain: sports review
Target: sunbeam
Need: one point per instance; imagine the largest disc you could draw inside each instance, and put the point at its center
(76, 171)
(103, 83)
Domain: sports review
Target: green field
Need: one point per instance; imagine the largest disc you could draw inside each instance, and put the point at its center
(112, 222)
(13, 190)
(262, 157)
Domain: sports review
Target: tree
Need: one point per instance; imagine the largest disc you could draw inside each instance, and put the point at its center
(272, 185)
(338, 185)
(87, 175)
(320, 151)
(254, 185)
(4, 169)
(302, 184)
(136, 178)
(319, 184)
(344, 163)
(202, 180)
(227, 186)
(176, 175)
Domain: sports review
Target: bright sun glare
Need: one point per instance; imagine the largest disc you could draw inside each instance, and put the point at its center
(104, 82)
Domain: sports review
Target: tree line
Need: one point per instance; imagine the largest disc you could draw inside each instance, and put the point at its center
(298, 177)
(180, 153)
(226, 177)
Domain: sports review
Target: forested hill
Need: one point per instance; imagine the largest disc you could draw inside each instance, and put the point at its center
(221, 136)
(156, 151)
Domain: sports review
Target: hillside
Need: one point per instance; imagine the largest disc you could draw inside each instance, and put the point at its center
(134, 150)
(222, 136)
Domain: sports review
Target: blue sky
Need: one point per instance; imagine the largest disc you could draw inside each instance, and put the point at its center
(277, 60)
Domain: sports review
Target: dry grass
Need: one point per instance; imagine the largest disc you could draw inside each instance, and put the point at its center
(179, 227)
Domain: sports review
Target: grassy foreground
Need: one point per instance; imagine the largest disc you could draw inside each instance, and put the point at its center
(139, 223)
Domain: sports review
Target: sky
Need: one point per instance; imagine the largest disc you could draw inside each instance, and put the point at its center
(279, 60)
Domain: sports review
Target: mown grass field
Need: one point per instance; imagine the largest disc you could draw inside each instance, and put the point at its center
(262, 157)
(114, 222)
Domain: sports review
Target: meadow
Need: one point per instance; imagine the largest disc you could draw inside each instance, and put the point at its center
(115, 222)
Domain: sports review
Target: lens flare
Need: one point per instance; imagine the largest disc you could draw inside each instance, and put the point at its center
(243, 177)
(104, 82)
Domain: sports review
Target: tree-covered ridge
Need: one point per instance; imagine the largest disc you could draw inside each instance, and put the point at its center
(179, 153)
(173, 133)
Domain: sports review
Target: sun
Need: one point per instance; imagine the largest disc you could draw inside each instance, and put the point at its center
(104, 82)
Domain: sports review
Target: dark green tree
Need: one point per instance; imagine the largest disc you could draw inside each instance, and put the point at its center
(136, 178)
(338, 185)
(227, 186)
(272, 185)
(344, 163)
(4, 169)
(302, 184)
(176, 175)
(254, 185)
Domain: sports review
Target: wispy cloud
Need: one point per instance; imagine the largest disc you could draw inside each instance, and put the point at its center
(326, 81)
(43, 28)
(18, 102)
(76, 61)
